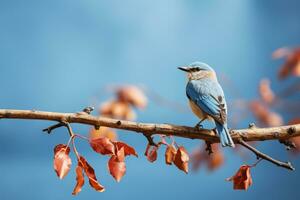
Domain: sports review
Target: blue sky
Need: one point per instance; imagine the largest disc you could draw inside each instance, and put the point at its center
(58, 55)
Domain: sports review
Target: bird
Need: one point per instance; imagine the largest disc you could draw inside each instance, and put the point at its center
(206, 99)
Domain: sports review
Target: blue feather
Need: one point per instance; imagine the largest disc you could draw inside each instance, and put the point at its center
(224, 135)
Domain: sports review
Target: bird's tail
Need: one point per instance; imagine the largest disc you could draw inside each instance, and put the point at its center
(224, 135)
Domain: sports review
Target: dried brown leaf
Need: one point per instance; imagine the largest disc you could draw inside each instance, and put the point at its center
(117, 166)
(291, 65)
(264, 115)
(182, 159)
(265, 91)
(281, 53)
(62, 161)
(242, 179)
(170, 154)
(127, 149)
(89, 171)
(103, 146)
(151, 153)
(133, 95)
(79, 180)
(117, 109)
(215, 160)
(103, 132)
(197, 159)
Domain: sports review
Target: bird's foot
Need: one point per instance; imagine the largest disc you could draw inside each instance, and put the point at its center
(199, 126)
(215, 131)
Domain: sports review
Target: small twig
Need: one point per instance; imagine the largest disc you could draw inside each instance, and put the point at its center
(258, 161)
(261, 155)
(74, 148)
(55, 126)
(150, 140)
(69, 128)
(72, 137)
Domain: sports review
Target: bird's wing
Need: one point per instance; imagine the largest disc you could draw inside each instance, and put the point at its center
(209, 97)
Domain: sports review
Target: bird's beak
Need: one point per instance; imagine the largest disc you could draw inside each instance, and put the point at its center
(186, 69)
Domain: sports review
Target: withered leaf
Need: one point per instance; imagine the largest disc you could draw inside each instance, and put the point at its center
(117, 109)
(128, 150)
(291, 65)
(79, 180)
(132, 95)
(103, 146)
(182, 159)
(151, 153)
(242, 179)
(265, 91)
(103, 132)
(62, 161)
(116, 165)
(264, 115)
(170, 154)
(215, 160)
(89, 171)
(197, 158)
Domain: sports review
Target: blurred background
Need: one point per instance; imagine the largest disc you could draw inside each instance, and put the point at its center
(60, 55)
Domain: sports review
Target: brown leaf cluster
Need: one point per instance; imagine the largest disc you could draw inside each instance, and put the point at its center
(263, 114)
(179, 157)
(291, 65)
(117, 109)
(212, 161)
(242, 179)
(62, 165)
(84, 167)
(117, 150)
(127, 98)
(132, 95)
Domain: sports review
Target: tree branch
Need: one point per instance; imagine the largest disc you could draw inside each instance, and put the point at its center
(253, 133)
(250, 134)
(261, 155)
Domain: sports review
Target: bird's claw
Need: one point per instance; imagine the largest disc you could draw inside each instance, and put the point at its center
(199, 126)
(215, 131)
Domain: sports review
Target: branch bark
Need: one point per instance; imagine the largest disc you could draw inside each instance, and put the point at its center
(250, 134)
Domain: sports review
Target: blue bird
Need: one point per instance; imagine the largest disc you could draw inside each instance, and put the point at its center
(206, 98)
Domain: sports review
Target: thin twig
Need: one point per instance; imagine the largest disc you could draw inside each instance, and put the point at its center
(261, 155)
(258, 161)
(150, 140)
(72, 136)
(55, 126)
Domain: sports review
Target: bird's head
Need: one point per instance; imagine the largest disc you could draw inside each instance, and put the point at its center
(198, 70)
